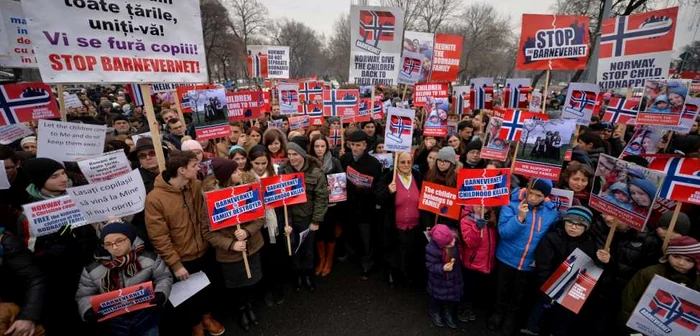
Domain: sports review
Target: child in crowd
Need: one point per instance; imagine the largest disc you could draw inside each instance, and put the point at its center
(444, 275)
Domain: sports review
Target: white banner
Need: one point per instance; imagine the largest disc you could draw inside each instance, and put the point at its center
(20, 43)
(5, 48)
(121, 196)
(105, 167)
(64, 141)
(580, 102)
(399, 129)
(265, 61)
(72, 100)
(118, 41)
(47, 217)
(14, 132)
(411, 68)
(375, 51)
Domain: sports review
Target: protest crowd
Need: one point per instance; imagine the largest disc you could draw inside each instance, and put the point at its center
(137, 209)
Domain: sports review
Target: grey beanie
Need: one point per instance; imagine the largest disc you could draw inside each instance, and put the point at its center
(447, 154)
(295, 147)
(682, 223)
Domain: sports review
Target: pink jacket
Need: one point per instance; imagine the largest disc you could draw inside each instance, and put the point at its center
(479, 250)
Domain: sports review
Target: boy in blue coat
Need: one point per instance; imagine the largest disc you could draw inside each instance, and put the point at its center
(521, 225)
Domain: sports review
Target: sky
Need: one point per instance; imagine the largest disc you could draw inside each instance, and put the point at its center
(321, 14)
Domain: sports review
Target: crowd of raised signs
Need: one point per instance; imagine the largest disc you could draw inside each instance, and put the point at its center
(508, 266)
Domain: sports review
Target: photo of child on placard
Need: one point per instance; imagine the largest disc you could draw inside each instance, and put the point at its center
(645, 140)
(663, 97)
(494, 148)
(436, 117)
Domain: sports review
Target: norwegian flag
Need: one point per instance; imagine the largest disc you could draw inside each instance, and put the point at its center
(682, 181)
(623, 33)
(399, 125)
(134, 92)
(560, 202)
(514, 121)
(410, 66)
(516, 97)
(25, 102)
(481, 97)
(377, 26)
(337, 103)
(621, 111)
(289, 97)
(672, 309)
(581, 101)
(310, 91)
(334, 138)
(257, 66)
(364, 112)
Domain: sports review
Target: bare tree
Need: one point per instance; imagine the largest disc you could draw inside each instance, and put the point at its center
(248, 17)
(305, 47)
(434, 13)
(411, 11)
(217, 38)
(338, 49)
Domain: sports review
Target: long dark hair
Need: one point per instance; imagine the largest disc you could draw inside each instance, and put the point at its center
(448, 178)
(270, 170)
(311, 151)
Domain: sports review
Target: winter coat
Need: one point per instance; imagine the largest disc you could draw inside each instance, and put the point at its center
(556, 246)
(635, 288)
(223, 239)
(152, 269)
(21, 280)
(479, 249)
(361, 202)
(447, 286)
(518, 241)
(173, 220)
(314, 210)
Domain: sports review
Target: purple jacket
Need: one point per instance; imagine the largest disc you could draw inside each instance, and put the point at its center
(443, 285)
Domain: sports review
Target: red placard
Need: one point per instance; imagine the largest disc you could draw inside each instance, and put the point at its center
(446, 54)
(537, 169)
(489, 187)
(682, 181)
(26, 102)
(244, 105)
(280, 190)
(553, 42)
(298, 122)
(233, 206)
(185, 104)
(364, 113)
(122, 301)
(439, 200)
(425, 90)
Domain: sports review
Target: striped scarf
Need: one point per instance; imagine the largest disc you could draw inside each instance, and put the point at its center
(128, 263)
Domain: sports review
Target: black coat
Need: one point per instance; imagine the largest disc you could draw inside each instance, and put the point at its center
(362, 202)
(556, 246)
(18, 270)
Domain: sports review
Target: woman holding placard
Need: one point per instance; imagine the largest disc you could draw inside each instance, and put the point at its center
(233, 242)
(443, 173)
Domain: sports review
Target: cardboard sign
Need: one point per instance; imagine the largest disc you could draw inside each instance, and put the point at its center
(543, 147)
(572, 282)
(358, 179)
(105, 167)
(280, 190)
(682, 181)
(267, 61)
(288, 98)
(338, 183)
(69, 142)
(439, 200)
(26, 102)
(553, 42)
(424, 90)
(234, 206)
(665, 102)
(15, 29)
(398, 134)
(666, 308)
(436, 121)
(14, 132)
(495, 147)
(341, 103)
(188, 98)
(112, 304)
(645, 140)
(120, 43)
(535, 102)
(48, 216)
(365, 113)
(446, 56)
(614, 184)
(562, 199)
(298, 122)
(417, 57)
(244, 105)
(375, 44)
(692, 108)
(580, 102)
(72, 100)
(488, 187)
(121, 196)
(209, 113)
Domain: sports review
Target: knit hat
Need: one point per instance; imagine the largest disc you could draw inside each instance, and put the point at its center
(686, 246)
(119, 117)
(542, 185)
(295, 147)
(474, 144)
(190, 145)
(223, 168)
(40, 169)
(579, 215)
(620, 186)
(441, 235)
(357, 136)
(333, 119)
(118, 227)
(300, 140)
(29, 139)
(682, 223)
(447, 154)
(645, 185)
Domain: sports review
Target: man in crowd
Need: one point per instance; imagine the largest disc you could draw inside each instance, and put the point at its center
(176, 131)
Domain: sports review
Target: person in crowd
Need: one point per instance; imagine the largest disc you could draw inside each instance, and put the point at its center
(576, 178)
(456, 143)
(176, 130)
(121, 125)
(148, 168)
(223, 147)
(443, 173)
(363, 174)
(238, 154)
(194, 147)
(12, 199)
(521, 225)
(328, 232)
(275, 141)
(465, 130)
(589, 148)
(28, 144)
(254, 135)
(370, 128)
(445, 286)
(479, 123)
(306, 216)
(231, 243)
(471, 159)
(422, 152)
(123, 262)
(22, 288)
(479, 234)
(682, 227)
(175, 234)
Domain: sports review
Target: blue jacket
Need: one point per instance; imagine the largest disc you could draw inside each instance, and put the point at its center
(516, 247)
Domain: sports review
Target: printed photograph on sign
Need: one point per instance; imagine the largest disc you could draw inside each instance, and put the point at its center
(26, 102)
(495, 147)
(645, 140)
(665, 102)
(338, 184)
(625, 190)
(666, 308)
(553, 42)
(517, 93)
(543, 147)
(692, 108)
(572, 282)
(209, 113)
(436, 121)
(535, 102)
(418, 46)
(580, 102)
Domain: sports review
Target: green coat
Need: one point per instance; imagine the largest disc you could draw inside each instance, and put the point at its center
(314, 210)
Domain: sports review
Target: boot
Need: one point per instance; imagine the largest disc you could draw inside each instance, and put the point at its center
(330, 251)
(198, 330)
(251, 316)
(309, 281)
(278, 294)
(212, 326)
(298, 282)
(243, 321)
(321, 247)
(449, 319)
(437, 319)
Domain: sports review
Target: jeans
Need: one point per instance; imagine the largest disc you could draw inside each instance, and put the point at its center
(437, 306)
(141, 323)
(545, 309)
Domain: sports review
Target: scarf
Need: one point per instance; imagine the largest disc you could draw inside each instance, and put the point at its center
(128, 263)
(270, 218)
(327, 163)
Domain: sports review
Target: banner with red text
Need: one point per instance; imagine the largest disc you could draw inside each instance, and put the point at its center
(553, 42)
(244, 105)
(130, 299)
(280, 190)
(439, 200)
(425, 90)
(233, 206)
(446, 55)
(488, 187)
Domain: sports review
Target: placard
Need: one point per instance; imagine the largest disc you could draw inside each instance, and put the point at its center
(424, 90)
(15, 26)
(572, 282)
(461, 96)
(439, 200)
(398, 135)
(621, 111)
(481, 93)
(543, 147)
(266, 61)
(14, 132)
(386, 159)
(665, 102)
(341, 103)
(288, 98)
(281, 190)
(130, 299)
(358, 179)
(580, 102)
(311, 98)
(298, 122)
(487, 187)
(495, 147)
(49, 216)
(244, 105)
(692, 108)
(417, 57)
(233, 206)
(562, 199)
(210, 113)
(645, 140)
(166, 87)
(446, 56)
(553, 42)
(69, 142)
(338, 184)
(535, 102)
(105, 167)
(365, 114)
(517, 93)
(436, 120)
(26, 102)
(188, 98)
(121, 196)
(5, 48)
(411, 68)
(375, 44)
(682, 181)
(72, 100)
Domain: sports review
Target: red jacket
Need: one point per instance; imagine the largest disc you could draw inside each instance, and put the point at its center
(479, 250)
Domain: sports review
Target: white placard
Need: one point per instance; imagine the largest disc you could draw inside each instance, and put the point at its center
(376, 37)
(581, 100)
(4, 180)
(72, 100)
(166, 87)
(5, 48)
(399, 129)
(117, 41)
(183, 290)
(48, 216)
(14, 132)
(20, 42)
(288, 98)
(105, 167)
(121, 196)
(70, 142)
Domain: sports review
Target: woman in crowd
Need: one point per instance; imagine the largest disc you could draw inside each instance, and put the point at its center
(443, 173)
(238, 154)
(576, 177)
(457, 144)
(421, 154)
(254, 135)
(276, 143)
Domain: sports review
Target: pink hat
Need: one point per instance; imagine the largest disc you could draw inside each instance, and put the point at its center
(686, 246)
(190, 145)
(607, 95)
(441, 235)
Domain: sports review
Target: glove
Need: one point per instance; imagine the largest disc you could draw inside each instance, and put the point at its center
(480, 223)
(159, 299)
(90, 316)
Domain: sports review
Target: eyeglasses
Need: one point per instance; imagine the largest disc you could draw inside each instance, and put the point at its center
(116, 243)
(576, 225)
(145, 155)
